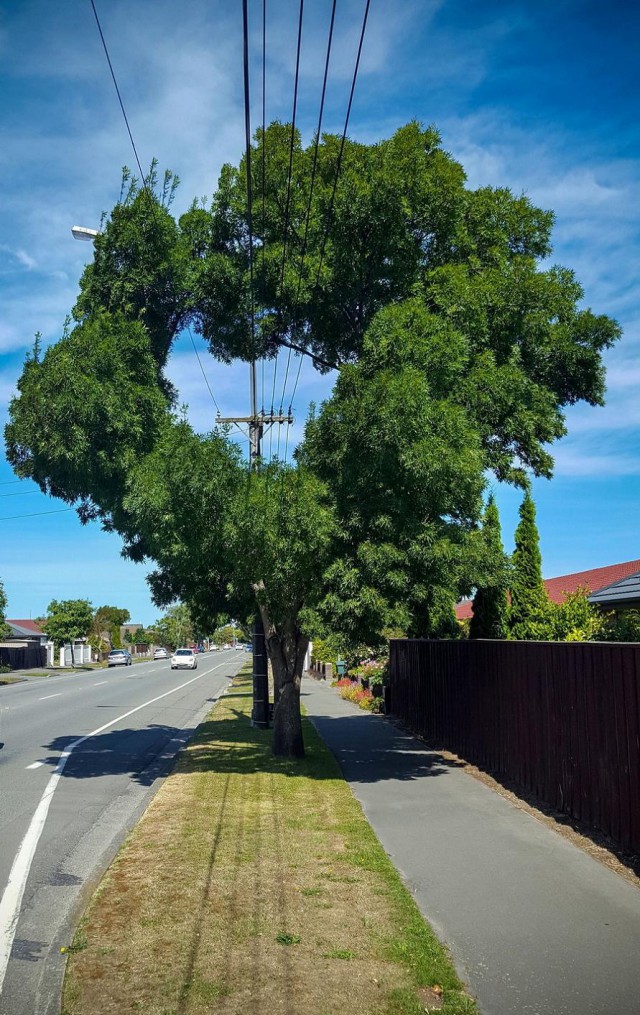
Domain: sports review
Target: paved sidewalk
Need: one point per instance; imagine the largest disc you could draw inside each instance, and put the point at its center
(535, 926)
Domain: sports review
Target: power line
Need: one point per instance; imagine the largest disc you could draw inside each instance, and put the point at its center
(12, 482)
(287, 206)
(342, 142)
(308, 214)
(21, 493)
(115, 83)
(35, 514)
(206, 380)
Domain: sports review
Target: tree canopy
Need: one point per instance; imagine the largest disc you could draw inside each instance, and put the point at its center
(5, 630)
(68, 620)
(458, 348)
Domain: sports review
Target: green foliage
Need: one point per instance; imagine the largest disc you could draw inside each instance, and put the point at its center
(175, 628)
(5, 630)
(404, 464)
(67, 620)
(86, 412)
(531, 616)
(490, 604)
(227, 635)
(576, 619)
(458, 353)
(105, 628)
(623, 626)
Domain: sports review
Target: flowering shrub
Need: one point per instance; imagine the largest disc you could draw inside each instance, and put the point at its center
(352, 691)
(373, 670)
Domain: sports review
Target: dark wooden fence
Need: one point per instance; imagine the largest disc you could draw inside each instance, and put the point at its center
(23, 657)
(560, 719)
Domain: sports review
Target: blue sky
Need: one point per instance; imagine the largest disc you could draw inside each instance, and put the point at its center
(539, 96)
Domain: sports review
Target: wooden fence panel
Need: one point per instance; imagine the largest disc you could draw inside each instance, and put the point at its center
(562, 720)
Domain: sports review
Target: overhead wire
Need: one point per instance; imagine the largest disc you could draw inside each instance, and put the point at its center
(115, 84)
(288, 197)
(247, 130)
(264, 172)
(329, 216)
(36, 514)
(142, 176)
(342, 143)
(21, 493)
(308, 215)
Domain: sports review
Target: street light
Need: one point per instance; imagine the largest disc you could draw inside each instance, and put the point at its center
(82, 233)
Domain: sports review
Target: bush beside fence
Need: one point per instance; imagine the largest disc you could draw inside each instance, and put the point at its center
(562, 720)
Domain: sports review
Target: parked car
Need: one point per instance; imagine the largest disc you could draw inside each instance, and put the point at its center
(184, 659)
(119, 657)
(161, 653)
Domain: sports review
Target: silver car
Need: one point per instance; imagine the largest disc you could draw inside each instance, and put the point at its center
(119, 657)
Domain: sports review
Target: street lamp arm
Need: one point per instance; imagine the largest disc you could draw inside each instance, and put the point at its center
(83, 233)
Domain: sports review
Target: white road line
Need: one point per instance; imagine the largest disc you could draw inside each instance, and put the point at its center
(100, 682)
(12, 897)
(52, 696)
(36, 764)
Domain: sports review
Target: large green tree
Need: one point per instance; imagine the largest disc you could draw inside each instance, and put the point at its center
(105, 628)
(430, 298)
(68, 620)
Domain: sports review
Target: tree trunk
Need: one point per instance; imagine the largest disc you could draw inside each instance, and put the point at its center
(287, 647)
(73, 658)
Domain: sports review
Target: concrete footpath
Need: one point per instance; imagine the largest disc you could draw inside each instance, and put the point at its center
(535, 926)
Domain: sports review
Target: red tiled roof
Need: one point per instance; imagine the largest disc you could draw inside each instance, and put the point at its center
(28, 625)
(558, 588)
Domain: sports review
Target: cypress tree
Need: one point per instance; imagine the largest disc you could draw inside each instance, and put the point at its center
(530, 612)
(490, 604)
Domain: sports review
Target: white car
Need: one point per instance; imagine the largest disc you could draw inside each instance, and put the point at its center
(184, 659)
(161, 653)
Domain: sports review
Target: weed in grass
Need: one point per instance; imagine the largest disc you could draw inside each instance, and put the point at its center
(207, 990)
(340, 953)
(288, 939)
(345, 879)
(311, 891)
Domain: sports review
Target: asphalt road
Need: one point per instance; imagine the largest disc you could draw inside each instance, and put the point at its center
(82, 757)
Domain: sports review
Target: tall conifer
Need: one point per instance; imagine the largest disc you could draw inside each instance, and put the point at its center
(490, 604)
(530, 610)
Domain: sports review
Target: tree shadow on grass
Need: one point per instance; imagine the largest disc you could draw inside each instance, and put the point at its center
(365, 747)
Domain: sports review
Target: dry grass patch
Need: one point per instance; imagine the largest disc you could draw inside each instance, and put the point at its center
(254, 884)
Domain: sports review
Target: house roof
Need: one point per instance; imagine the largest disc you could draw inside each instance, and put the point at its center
(623, 592)
(597, 579)
(25, 628)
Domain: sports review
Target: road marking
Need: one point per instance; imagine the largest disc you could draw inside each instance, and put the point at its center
(100, 682)
(12, 897)
(36, 764)
(52, 695)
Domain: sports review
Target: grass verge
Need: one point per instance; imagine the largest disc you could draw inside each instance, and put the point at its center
(255, 884)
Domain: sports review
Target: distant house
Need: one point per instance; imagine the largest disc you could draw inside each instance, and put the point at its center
(25, 647)
(614, 587)
(28, 633)
(27, 630)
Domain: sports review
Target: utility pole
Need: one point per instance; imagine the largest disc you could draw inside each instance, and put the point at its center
(257, 422)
